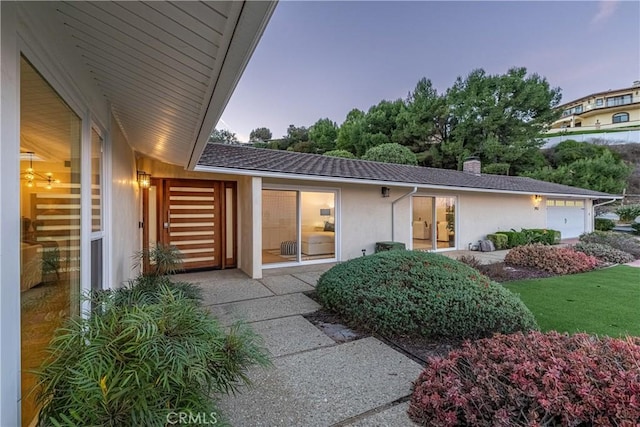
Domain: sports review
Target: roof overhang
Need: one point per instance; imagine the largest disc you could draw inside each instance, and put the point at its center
(331, 179)
(166, 69)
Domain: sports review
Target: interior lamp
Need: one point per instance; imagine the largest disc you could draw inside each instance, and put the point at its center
(144, 179)
(31, 176)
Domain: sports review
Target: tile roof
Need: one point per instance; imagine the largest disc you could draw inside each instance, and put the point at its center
(261, 160)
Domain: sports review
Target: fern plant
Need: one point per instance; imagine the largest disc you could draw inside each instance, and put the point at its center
(146, 351)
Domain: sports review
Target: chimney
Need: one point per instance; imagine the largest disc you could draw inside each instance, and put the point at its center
(636, 83)
(472, 165)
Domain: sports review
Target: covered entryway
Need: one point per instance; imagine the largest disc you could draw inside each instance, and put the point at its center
(196, 216)
(566, 216)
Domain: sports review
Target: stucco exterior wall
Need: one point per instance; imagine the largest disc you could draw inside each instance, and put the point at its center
(482, 213)
(126, 236)
(250, 226)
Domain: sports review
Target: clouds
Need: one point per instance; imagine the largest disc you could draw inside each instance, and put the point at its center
(606, 9)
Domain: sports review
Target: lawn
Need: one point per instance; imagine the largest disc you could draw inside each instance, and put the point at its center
(603, 302)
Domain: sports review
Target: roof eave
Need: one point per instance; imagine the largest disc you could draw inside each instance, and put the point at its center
(322, 178)
(249, 27)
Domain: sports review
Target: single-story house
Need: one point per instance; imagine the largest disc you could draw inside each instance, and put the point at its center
(298, 208)
(106, 110)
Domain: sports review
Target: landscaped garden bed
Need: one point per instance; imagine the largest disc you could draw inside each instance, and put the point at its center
(518, 376)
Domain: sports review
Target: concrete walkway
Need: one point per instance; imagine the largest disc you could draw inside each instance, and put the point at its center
(315, 381)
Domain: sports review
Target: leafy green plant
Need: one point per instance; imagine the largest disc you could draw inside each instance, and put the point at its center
(604, 224)
(623, 242)
(604, 252)
(500, 240)
(340, 153)
(420, 294)
(145, 351)
(628, 213)
(391, 153)
(162, 260)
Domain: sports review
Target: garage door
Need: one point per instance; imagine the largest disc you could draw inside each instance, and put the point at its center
(567, 216)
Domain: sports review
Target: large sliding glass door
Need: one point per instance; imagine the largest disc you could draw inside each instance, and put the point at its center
(433, 222)
(50, 145)
(298, 226)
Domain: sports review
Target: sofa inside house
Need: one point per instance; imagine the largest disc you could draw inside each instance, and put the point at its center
(421, 230)
(319, 240)
(38, 259)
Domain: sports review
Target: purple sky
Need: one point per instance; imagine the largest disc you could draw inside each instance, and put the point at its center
(321, 59)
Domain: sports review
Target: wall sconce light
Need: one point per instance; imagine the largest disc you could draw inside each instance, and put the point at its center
(144, 179)
(536, 201)
(385, 191)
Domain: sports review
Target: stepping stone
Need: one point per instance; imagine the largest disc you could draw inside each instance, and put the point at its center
(290, 335)
(288, 284)
(256, 310)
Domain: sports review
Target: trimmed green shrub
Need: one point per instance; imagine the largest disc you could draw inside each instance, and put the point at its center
(389, 246)
(604, 252)
(551, 259)
(499, 240)
(628, 213)
(391, 153)
(420, 294)
(145, 351)
(527, 236)
(340, 153)
(621, 241)
(514, 238)
(604, 224)
(531, 380)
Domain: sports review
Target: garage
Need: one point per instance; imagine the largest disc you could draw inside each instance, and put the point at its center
(567, 216)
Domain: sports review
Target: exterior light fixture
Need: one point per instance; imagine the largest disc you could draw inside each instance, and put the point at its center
(144, 179)
(385, 191)
(536, 201)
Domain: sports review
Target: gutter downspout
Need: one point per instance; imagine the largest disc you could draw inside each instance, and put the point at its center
(604, 203)
(393, 211)
(593, 211)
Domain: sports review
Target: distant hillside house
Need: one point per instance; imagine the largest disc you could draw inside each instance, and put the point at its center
(612, 109)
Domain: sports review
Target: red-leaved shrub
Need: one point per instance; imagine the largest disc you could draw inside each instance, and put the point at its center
(551, 259)
(537, 379)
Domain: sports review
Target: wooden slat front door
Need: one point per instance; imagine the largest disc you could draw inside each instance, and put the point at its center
(193, 221)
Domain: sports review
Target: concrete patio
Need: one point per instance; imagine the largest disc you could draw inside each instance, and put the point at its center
(314, 381)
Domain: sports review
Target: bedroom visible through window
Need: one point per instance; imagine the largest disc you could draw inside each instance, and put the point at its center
(298, 226)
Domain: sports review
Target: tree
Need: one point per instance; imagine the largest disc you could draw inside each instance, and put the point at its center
(604, 173)
(350, 133)
(323, 134)
(223, 136)
(260, 135)
(499, 117)
(425, 119)
(340, 153)
(391, 153)
(570, 150)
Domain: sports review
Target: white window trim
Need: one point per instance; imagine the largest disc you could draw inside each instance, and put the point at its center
(457, 219)
(337, 219)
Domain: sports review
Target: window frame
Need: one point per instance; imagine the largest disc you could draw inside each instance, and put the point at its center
(619, 116)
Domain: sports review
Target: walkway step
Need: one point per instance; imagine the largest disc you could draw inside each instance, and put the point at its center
(259, 309)
(324, 386)
(290, 335)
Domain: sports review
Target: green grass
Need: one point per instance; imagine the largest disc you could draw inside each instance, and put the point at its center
(602, 302)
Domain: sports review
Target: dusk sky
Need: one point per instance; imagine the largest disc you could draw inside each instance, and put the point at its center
(321, 59)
